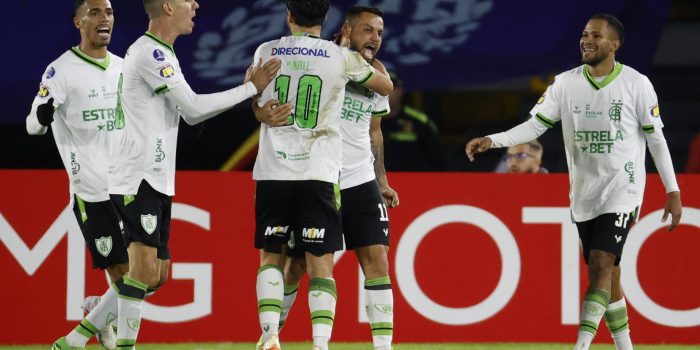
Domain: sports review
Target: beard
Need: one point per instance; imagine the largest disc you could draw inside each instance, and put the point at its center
(595, 60)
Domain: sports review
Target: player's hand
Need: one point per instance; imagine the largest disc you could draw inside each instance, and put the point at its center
(262, 74)
(391, 197)
(673, 207)
(477, 145)
(44, 112)
(274, 114)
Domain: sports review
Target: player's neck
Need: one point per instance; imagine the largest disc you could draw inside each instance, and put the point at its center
(603, 68)
(94, 52)
(163, 31)
(314, 31)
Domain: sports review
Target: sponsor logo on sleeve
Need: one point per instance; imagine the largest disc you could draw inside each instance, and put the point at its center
(50, 73)
(43, 90)
(158, 55)
(167, 71)
(655, 112)
(539, 102)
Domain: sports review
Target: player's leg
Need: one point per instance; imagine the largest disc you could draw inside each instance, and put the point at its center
(607, 234)
(616, 314)
(320, 235)
(146, 218)
(366, 231)
(294, 270)
(101, 227)
(272, 221)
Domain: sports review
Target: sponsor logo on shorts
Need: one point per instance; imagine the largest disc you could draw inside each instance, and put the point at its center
(149, 222)
(313, 233)
(618, 238)
(104, 245)
(276, 231)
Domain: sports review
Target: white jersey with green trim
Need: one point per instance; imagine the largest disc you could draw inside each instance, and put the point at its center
(144, 149)
(604, 125)
(84, 90)
(312, 78)
(359, 107)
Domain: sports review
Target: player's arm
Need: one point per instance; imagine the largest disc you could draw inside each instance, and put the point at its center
(391, 197)
(197, 108)
(525, 132)
(359, 71)
(43, 107)
(379, 83)
(272, 113)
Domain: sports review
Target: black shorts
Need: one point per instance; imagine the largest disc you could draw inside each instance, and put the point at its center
(101, 227)
(310, 209)
(365, 218)
(146, 218)
(607, 232)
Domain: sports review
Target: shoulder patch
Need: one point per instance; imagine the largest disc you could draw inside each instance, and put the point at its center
(158, 55)
(539, 102)
(43, 90)
(50, 73)
(167, 71)
(654, 111)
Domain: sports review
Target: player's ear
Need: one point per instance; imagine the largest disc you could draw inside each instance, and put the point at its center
(346, 30)
(615, 45)
(76, 22)
(167, 8)
(290, 19)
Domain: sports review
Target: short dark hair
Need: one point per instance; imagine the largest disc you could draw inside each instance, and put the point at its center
(535, 146)
(78, 5)
(614, 23)
(357, 10)
(308, 13)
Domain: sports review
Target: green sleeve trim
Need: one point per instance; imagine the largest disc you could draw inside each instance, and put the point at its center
(81, 207)
(161, 89)
(649, 129)
(366, 79)
(380, 113)
(544, 120)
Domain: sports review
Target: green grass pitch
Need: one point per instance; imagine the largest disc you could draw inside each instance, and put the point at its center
(368, 346)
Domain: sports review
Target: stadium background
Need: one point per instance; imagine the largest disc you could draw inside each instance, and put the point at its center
(474, 66)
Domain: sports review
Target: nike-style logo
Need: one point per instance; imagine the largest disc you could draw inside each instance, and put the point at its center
(273, 283)
(316, 295)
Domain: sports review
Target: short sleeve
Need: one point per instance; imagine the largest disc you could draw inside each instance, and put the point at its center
(357, 69)
(547, 109)
(158, 67)
(382, 107)
(53, 85)
(647, 107)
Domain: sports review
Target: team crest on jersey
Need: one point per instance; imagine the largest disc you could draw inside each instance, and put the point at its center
(655, 112)
(167, 71)
(104, 245)
(615, 112)
(149, 222)
(158, 55)
(43, 90)
(50, 73)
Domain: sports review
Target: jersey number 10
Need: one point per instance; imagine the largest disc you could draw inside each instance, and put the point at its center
(308, 99)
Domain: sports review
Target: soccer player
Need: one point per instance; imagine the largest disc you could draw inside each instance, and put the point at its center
(365, 192)
(609, 112)
(298, 165)
(76, 97)
(153, 95)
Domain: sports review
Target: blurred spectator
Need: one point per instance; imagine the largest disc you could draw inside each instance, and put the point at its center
(523, 158)
(693, 165)
(410, 136)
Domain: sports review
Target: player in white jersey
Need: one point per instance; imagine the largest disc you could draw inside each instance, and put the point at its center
(76, 98)
(609, 112)
(147, 103)
(298, 165)
(365, 192)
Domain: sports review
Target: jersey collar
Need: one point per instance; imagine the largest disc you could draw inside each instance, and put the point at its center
(306, 34)
(160, 41)
(596, 85)
(101, 65)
